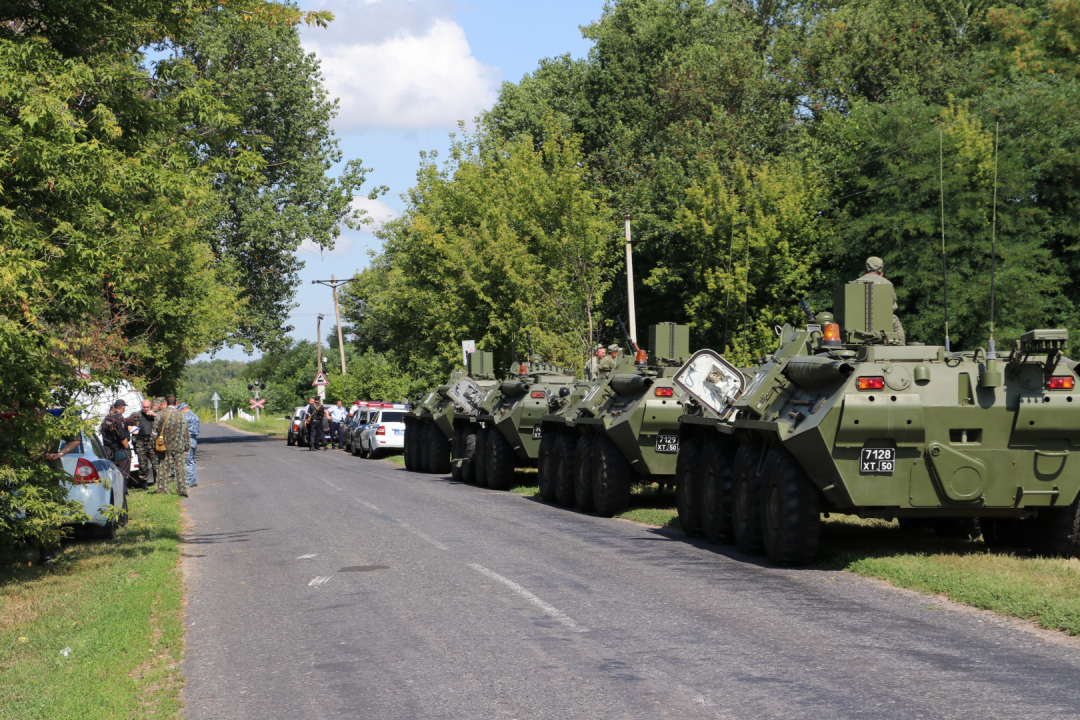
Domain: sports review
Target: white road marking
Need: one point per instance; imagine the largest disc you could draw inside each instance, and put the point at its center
(320, 581)
(529, 596)
(422, 536)
(305, 557)
(369, 505)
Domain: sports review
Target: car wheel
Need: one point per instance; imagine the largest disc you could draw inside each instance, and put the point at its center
(290, 440)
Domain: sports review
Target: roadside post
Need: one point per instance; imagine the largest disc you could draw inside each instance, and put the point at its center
(216, 399)
(255, 404)
(467, 346)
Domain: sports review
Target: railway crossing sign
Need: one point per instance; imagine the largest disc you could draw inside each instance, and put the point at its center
(260, 404)
(320, 379)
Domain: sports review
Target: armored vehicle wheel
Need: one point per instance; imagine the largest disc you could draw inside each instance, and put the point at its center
(583, 473)
(687, 469)
(407, 450)
(564, 469)
(481, 456)
(468, 451)
(746, 499)
(423, 448)
(715, 504)
(500, 466)
(790, 512)
(611, 478)
(440, 451)
(1057, 531)
(455, 454)
(546, 466)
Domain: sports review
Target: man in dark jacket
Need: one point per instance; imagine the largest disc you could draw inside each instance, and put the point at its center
(316, 416)
(117, 439)
(144, 442)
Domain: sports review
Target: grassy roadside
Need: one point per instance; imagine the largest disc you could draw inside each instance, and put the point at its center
(116, 605)
(275, 426)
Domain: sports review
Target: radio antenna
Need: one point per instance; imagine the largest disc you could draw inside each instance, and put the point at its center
(944, 263)
(991, 353)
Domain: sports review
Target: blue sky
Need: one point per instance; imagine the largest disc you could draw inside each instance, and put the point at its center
(406, 71)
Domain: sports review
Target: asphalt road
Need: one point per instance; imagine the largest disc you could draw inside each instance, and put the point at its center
(325, 586)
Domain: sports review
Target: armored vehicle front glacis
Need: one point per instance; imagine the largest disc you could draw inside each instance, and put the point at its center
(507, 424)
(471, 395)
(623, 431)
(844, 419)
(429, 427)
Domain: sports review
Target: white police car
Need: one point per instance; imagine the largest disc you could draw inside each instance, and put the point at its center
(384, 430)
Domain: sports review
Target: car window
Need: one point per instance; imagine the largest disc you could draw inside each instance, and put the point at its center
(363, 418)
(388, 417)
(95, 444)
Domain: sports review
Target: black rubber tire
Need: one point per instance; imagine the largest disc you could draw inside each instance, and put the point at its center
(456, 471)
(611, 478)
(481, 456)
(352, 445)
(468, 451)
(426, 456)
(715, 496)
(565, 446)
(1057, 531)
(583, 473)
(290, 440)
(687, 482)
(790, 511)
(440, 449)
(500, 466)
(746, 500)
(546, 465)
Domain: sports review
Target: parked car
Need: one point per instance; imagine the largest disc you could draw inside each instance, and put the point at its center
(297, 436)
(353, 426)
(384, 430)
(98, 400)
(96, 482)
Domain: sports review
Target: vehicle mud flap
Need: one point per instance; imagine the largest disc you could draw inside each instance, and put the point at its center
(480, 458)
(746, 499)
(583, 473)
(501, 457)
(687, 474)
(455, 454)
(611, 478)
(468, 453)
(790, 510)
(564, 469)
(546, 465)
(715, 492)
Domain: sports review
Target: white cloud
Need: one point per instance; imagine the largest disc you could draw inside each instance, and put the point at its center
(400, 64)
(377, 210)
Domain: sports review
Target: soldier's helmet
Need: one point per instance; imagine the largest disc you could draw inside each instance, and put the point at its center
(874, 264)
(598, 348)
(535, 359)
(613, 348)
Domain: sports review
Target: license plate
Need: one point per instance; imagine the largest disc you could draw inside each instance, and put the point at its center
(538, 432)
(877, 461)
(667, 443)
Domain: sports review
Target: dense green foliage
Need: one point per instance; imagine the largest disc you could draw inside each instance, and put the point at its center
(763, 151)
(203, 379)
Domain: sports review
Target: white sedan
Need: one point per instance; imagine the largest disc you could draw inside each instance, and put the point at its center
(384, 430)
(95, 482)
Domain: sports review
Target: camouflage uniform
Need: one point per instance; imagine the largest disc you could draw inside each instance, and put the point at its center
(144, 447)
(608, 364)
(874, 267)
(171, 424)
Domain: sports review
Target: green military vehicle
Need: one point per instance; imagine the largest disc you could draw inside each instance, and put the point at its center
(623, 430)
(471, 394)
(508, 431)
(842, 418)
(558, 439)
(429, 425)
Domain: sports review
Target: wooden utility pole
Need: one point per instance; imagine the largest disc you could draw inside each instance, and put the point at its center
(335, 284)
(321, 390)
(630, 281)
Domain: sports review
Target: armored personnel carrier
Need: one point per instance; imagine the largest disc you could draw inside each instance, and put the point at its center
(509, 430)
(471, 395)
(429, 427)
(842, 418)
(623, 430)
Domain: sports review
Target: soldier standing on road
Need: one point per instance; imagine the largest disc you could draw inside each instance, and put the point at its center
(144, 443)
(608, 363)
(171, 426)
(592, 368)
(193, 425)
(875, 269)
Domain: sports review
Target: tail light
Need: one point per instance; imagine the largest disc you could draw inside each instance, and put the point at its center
(665, 392)
(539, 393)
(381, 430)
(641, 357)
(832, 337)
(871, 383)
(86, 473)
(1060, 382)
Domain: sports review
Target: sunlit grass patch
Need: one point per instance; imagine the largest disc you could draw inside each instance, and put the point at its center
(277, 426)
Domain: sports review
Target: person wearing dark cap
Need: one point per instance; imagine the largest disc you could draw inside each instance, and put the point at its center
(116, 438)
(875, 274)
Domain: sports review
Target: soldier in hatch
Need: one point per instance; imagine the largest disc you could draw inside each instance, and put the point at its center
(875, 268)
(592, 368)
(608, 363)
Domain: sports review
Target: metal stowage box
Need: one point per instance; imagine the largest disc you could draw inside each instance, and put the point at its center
(866, 307)
(669, 341)
(481, 364)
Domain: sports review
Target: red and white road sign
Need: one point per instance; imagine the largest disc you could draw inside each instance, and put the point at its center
(261, 404)
(320, 379)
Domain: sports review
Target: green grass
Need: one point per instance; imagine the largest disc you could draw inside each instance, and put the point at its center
(117, 605)
(277, 426)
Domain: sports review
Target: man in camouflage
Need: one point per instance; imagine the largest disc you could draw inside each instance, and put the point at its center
(875, 268)
(144, 442)
(608, 363)
(171, 425)
(592, 368)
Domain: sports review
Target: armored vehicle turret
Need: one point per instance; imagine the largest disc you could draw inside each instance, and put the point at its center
(623, 431)
(842, 418)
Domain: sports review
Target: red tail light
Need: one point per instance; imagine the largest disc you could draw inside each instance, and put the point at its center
(665, 392)
(539, 394)
(1060, 382)
(381, 430)
(86, 473)
(871, 383)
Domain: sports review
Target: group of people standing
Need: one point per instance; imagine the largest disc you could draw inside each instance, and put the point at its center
(165, 441)
(324, 422)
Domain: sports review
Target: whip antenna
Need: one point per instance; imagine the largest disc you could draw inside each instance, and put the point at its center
(944, 264)
(991, 353)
